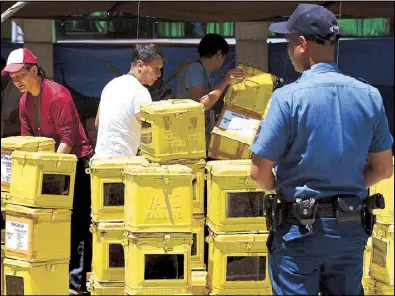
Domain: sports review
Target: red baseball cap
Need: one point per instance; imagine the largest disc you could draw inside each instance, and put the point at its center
(17, 59)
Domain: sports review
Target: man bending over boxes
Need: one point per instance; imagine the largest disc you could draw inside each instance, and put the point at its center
(119, 110)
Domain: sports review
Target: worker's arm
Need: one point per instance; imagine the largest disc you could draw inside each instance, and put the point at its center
(199, 94)
(97, 119)
(262, 172)
(142, 96)
(24, 119)
(209, 100)
(270, 143)
(378, 168)
(64, 148)
(64, 121)
(379, 164)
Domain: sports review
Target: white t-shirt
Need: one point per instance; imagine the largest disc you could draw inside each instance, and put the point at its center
(119, 130)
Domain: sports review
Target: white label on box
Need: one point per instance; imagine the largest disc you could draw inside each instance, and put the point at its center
(17, 236)
(240, 124)
(5, 168)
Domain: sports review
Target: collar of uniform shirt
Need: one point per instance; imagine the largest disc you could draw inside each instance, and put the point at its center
(321, 68)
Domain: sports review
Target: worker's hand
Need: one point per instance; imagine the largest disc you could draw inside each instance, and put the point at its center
(236, 74)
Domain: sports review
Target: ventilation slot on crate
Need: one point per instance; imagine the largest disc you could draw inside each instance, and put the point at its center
(114, 194)
(249, 268)
(15, 285)
(116, 256)
(164, 267)
(194, 245)
(244, 204)
(2, 220)
(146, 133)
(56, 184)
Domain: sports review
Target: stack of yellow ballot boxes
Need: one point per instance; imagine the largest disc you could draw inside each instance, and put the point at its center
(38, 212)
(381, 269)
(238, 256)
(245, 103)
(107, 195)
(9, 145)
(164, 201)
(4, 197)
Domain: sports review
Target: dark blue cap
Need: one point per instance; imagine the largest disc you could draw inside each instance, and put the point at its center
(310, 21)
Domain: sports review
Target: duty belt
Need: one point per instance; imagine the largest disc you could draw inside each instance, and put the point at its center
(346, 209)
(325, 209)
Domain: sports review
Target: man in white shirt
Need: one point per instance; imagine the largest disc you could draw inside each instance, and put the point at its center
(119, 111)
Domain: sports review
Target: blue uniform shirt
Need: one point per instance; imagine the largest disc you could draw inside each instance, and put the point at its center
(319, 131)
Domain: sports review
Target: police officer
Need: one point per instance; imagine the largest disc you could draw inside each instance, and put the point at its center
(327, 135)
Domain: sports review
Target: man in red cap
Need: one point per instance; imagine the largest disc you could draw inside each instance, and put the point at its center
(47, 109)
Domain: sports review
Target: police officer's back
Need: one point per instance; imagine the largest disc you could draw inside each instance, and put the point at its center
(319, 132)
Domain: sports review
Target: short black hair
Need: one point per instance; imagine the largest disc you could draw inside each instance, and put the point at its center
(211, 43)
(146, 53)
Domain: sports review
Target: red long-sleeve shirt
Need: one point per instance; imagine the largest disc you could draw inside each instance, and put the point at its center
(59, 119)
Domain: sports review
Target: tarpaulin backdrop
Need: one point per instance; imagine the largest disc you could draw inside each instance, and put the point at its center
(85, 70)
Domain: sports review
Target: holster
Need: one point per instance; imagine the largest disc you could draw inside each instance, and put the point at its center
(375, 201)
(273, 211)
(368, 220)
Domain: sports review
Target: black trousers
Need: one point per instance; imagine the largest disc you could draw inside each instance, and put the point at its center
(81, 238)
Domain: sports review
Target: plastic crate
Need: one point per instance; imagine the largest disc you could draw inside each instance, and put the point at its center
(199, 282)
(197, 250)
(41, 278)
(238, 264)
(37, 234)
(385, 187)
(382, 264)
(234, 201)
(105, 288)
(107, 188)
(158, 198)
(108, 260)
(253, 92)
(19, 143)
(199, 171)
(367, 258)
(233, 134)
(173, 129)
(43, 179)
(378, 288)
(158, 264)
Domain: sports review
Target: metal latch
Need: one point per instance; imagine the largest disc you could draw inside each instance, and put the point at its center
(53, 216)
(250, 242)
(51, 267)
(166, 241)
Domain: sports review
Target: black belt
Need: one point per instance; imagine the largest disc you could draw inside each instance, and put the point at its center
(325, 210)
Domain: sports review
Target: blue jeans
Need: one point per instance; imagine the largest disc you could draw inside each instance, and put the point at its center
(328, 260)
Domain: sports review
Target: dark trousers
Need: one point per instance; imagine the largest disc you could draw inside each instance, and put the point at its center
(81, 238)
(328, 260)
